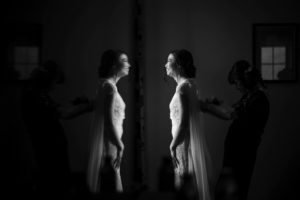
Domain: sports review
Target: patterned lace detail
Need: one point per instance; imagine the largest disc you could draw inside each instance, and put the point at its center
(175, 112)
(118, 112)
(182, 149)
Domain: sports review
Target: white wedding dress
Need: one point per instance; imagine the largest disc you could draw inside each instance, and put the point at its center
(100, 146)
(192, 152)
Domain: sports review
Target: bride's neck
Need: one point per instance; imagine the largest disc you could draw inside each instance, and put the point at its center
(180, 79)
(114, 79)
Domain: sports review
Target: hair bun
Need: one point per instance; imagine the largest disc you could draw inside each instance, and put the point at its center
(185, 60)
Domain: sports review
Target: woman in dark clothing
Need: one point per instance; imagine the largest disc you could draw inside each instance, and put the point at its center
(249, 117)
(42, 116)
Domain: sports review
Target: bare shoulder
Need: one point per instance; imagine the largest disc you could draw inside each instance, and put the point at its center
(107, 88)
(186, 88)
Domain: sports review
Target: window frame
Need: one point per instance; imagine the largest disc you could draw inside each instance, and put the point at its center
(277, 35)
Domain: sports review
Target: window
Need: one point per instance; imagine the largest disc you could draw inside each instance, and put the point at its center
(274, 51)
(23, 49)
(273, 62)
(26, 58)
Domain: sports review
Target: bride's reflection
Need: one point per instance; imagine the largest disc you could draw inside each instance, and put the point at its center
(107, 125)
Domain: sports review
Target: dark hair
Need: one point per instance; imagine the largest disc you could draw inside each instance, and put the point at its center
(109, 58)
(243, 71)
(184, 63)
(48, 73)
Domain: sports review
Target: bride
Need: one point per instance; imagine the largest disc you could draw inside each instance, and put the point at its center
(188, 147)
(107, 125)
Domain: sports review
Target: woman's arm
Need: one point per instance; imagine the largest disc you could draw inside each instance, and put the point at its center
(220, 111)
(70, 112)
(79, 106)
(216, 109)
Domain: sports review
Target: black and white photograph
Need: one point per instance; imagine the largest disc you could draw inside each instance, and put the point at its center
(150, 99)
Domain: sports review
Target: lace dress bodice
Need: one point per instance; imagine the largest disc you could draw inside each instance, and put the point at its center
(175, 112)
(118, 116)
(118, 112)
(183, 149)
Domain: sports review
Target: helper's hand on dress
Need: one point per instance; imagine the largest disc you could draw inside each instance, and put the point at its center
(214, 100)
(78, 106)
(118, 160)
(84, 102)
(210, 101)
(174, 156)
(204, 104)
(80, 100)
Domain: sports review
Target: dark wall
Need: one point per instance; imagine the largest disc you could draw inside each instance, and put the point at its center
(218, 33)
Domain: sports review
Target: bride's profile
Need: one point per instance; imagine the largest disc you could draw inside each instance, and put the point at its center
(188, 147)
(107, 125)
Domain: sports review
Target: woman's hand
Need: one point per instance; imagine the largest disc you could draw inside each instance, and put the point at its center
(205, 104)
(80, 100)
(174, 156)
(213, 100)
(118, 160)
